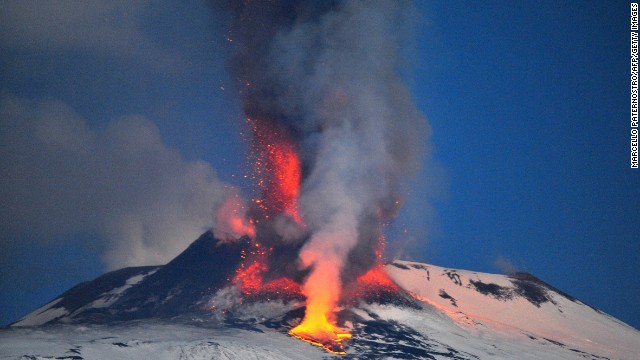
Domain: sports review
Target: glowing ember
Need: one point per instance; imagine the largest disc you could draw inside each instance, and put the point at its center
(250, 278)
(282, 288)
(277, 170)
(377, 278)
(249, 274)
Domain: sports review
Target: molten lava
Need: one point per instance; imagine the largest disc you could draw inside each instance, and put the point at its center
(377, 279)
(276, 170)
(251, 273)
(318, 326)
(316, 330)
(373, 286)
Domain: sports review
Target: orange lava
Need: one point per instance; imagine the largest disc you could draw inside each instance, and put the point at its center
(317, 330)
(374, 285)
(282, 287)
(376, 278)
(277, 169)
(323, 290)
(250, 277)
(318, 327)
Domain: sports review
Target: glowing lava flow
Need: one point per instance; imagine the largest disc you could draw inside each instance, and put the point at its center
(333, 346)
(316, 329)
(319, 324)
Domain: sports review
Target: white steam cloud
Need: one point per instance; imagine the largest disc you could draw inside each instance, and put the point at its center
(143, 200)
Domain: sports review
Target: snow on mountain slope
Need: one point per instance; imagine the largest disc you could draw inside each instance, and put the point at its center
(516, 305)
(180, 287)
(85, 297)
(108, 298)
(150, 340)
(43, 314)
(380, 332)
(165, 312)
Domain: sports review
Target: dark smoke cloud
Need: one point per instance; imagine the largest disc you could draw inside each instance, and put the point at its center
(328, 71)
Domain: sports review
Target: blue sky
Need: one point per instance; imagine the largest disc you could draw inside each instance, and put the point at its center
(528, 109)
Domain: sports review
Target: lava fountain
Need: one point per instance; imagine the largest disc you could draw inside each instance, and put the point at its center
(276, 170)
(277, 173)
(335, 136)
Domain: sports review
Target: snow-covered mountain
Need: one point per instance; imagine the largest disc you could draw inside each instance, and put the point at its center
(187, 310)
(180, 287)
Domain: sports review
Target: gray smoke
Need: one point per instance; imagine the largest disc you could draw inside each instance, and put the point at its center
(142, 199)
(328, 71)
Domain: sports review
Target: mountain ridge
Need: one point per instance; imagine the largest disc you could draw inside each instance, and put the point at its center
(424, 315)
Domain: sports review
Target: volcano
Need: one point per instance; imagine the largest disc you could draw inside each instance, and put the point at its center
(190, 309)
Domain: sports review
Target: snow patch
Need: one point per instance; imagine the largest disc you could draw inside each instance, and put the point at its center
(108, 298)
(495, 302)
(152, 340)
(43, 315)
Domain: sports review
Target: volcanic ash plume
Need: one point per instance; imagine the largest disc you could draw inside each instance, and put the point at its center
(324, 76)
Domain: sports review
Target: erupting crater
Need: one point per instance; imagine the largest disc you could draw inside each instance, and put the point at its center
(334, 135)
(319, 324)
(277, 175)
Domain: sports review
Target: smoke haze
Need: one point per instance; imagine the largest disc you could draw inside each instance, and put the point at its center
(145, 202)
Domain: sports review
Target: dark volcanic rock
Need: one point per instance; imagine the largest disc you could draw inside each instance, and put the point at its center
(495, 290)
(178, 288)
